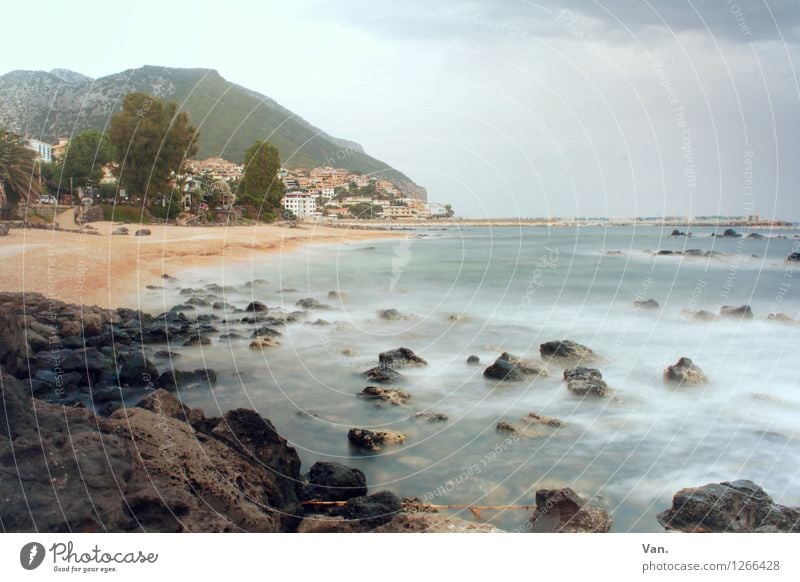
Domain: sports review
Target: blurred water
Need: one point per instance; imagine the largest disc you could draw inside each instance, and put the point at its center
(481, 291)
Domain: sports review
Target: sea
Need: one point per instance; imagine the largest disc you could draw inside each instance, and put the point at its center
(461, 291)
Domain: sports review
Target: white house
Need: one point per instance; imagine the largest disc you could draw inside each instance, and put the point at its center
(44, 151)
(301, 204)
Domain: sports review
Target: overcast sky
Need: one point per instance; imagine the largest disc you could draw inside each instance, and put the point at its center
(503, 108)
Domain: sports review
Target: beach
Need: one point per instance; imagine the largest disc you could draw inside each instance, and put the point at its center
(107, 271)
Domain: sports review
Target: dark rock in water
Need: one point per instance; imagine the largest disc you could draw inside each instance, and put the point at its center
(198, 340)
(431, 416)
(168, 277)
(230, 335)
(677, 232)
(382, 375)
(370, 440)
(373, 510)
(334, 482)
(566, 350)
(389, 395)
(256, 283)
(564, 511)
(512, 369)
(319, 322)
(222, 305)
(793, 258)
(166, 355)
(582, 381)
(474, 360)
(401, 358)
(730, 506)
(173, 379)
(334, 295)
(266, 331)
(137, 371)
(256, 307)
(197, 301)
(535, 418)
(730, 233)
(685, 371)
(700, 315)
(390, 314)
(142, 232)
(668, 253)
(756, 236)
(742, 311)
(694, 253)
(780, 318)
(262, 342)
(646, 304)
(311, 303)
(153, 287)
(506, 427)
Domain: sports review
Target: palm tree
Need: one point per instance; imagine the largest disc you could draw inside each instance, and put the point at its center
(19, 175)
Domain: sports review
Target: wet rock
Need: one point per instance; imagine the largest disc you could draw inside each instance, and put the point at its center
(685, 371)
(319, 323)
(256, 283)
(433, 523)
(334, 482)
(584, 381)
(382, 375)
(370, 440)
(740, 312)
(646, 304)
(506, 427)
(390, 314)
(510, 368)
(321, 523)
(372, 510)
(564, 511)
(700, 315)
(173, 379)
(13, 346)
(263, 342)
(780, 318)
(756, 236)
(311, 303)
(389, 395)
(142, 232)
(566, 350)
(731, 506)
(256, 307)
(535, 418)
(222, 305)
(197, 302)
(473, 360)
(230, 336)
(677, 232)
(266, 331)
(431, 416)
(137, 371)
(729, 233)
(334, 295)
(401, 358)
(198, 340)
(793, 258)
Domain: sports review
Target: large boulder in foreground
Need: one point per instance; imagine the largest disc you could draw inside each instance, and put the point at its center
(334, 482)
(510, 368)
(731, 506)
(382, 375)
(564, 511)
(567, 350)
(685, 371)
(401, 358)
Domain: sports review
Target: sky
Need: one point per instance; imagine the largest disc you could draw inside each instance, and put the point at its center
(502, 108)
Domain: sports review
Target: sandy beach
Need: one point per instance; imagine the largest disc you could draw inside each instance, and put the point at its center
(105, 270)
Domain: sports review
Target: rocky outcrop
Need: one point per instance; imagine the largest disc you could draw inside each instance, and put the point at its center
(431, 416)
(382, 375)
(564, 511)
(731, 506)
(401, 358)
(586, 381)
(473, 360)
(379, 395)
(264, 342)
(736, 312)
(256, 307)
(567, 350)
(390, 314)
(311, 303)
(509, 368)
(334, 482)
(646, 304)
(374, 440)
(684, 371)
(793, 258)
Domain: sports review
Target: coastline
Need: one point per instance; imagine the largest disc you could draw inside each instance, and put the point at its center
(105, 270)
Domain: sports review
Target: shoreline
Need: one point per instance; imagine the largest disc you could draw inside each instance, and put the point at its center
(107, 270)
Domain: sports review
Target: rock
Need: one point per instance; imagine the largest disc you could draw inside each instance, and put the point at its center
(401, 358)
(583, 381)
(730, 506)
(166, 355)
(473, 360)
(564, 511)
(162, 402)
(433, 523)
(363, 438)
(222, 305)
(90, 214)
(390, 314)
(320, 523)
(756, 236)
(685, 371)
(263, 342)
(703, 315)
(334, 295)
(740, 312)
(142, 232)
(566, 350)
(512, 369)
(793, 258)
(646, 304)
(780, 318)
(230, 336)
(372, 510)
(319, 322)
(431, 416)
(730, 233)
(334, 482)
(120, 230)
(506, 427)
(389, 395)
(256, 283)
(256, 307)
(265, 331)
(311, 303)
(382, 375)
(677, 232)
(535, 418)
(173, 379)
(198, 340)
(137, 371)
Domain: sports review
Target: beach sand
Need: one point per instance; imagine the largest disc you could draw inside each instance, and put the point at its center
(108, 271)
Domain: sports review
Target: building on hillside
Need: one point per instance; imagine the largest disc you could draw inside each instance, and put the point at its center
(436, 210)
(302, 204)
(400, 212)
(44, 151)
(59, 150)
(353, 200)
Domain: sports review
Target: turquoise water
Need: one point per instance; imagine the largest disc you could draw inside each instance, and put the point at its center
(483, 291)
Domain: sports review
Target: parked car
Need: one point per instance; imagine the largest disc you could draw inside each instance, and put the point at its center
(47, 199)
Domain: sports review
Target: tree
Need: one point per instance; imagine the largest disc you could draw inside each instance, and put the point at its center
(216, 192)
(85, 157)
(365, 210)
(448, 210)
(260, 185)
(151, 140)
(19, 175)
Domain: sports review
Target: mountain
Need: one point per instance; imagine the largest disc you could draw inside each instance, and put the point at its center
(47, 105)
